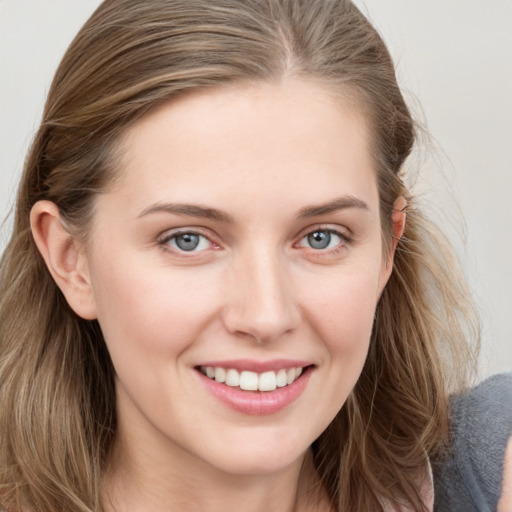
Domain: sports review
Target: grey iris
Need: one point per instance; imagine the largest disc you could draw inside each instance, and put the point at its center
(319, 239)
(187, 241)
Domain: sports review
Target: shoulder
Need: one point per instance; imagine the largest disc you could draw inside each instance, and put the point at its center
(470, 477)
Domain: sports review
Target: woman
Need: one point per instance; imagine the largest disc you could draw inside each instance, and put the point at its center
(219, 289)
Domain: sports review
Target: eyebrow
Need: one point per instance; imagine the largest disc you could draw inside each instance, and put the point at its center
(340, 203)
(193, 210)
(189, 210)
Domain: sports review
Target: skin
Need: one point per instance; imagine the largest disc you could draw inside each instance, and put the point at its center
(265, 156)
(505, 503)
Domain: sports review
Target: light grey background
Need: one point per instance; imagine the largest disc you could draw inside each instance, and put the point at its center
(454, 61)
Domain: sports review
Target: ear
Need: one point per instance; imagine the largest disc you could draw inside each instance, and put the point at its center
(398, 223)
(64, 256)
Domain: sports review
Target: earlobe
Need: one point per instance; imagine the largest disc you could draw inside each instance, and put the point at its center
(64, 256)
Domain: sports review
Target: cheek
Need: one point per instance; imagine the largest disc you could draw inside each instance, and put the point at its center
(345, 324)
(152, 312)
(343, 312)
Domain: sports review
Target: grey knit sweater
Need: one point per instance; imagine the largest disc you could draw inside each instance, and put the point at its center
(470, 478)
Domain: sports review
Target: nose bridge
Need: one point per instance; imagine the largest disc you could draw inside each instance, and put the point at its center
(261, 302)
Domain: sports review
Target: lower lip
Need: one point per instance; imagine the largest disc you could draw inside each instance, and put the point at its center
(257, 403)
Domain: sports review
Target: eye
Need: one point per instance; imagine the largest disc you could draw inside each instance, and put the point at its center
(322, 239)
(186, 241)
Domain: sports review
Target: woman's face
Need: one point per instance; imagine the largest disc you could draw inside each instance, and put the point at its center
(242, 240)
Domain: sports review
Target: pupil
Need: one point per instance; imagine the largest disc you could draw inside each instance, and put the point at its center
(187, 241)
(319, 239)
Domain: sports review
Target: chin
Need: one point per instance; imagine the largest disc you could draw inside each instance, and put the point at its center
(258, 458)
(259, 465)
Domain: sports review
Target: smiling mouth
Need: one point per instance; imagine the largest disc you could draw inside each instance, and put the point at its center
(252, 381)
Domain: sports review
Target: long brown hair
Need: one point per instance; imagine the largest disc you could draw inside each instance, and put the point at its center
(57, 396)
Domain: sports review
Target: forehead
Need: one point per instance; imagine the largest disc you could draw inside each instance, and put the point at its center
(257, 140)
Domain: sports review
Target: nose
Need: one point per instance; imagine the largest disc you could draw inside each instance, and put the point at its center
(260, 302)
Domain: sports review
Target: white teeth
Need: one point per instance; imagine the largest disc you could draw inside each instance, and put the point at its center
(252, 381)
(281, 379)
(220, 374)
(249, 381)
(232, 378)
(267, 381)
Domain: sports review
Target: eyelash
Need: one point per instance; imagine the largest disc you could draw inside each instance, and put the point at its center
(344, 240)
(165, 240)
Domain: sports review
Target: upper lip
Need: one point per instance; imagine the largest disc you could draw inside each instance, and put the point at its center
(257, 366)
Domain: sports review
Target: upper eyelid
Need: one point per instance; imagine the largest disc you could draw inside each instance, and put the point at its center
(170, 233)
(166, 236)
(344, 233)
